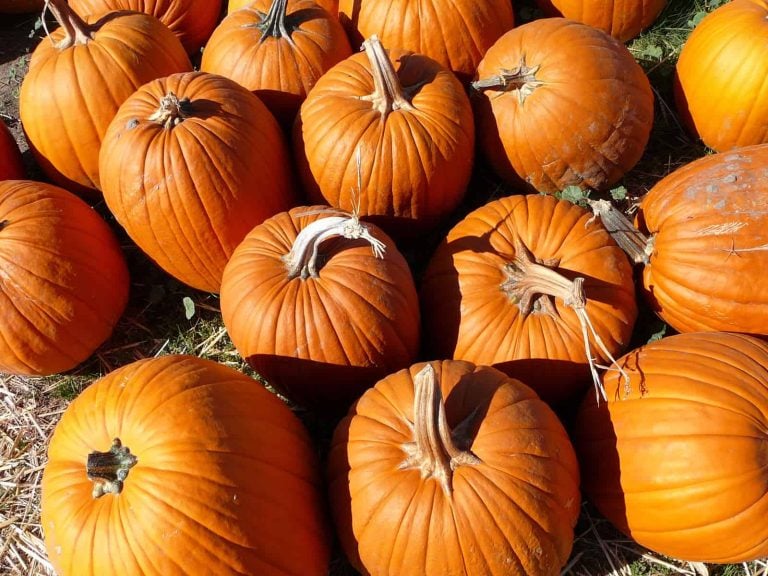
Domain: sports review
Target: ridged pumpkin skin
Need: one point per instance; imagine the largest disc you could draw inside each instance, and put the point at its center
(454, 33)
(416, 159)
(471, 312)
(65, 281)
(332, 6)
(321, 340)
(510, 507)
(69, 97)
(622, 19)
(225, 482)
(680, 463)
(279, 69)
(579, 113)
(719, 76)
(709, 230)
(20, 6)
(11, 165)
(191, 20)
(188, 194)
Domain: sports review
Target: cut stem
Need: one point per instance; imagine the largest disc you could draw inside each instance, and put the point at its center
(76, 31)
(637, 245)
(388, 94)
(171, 111)
(521, 79)
(108, 470)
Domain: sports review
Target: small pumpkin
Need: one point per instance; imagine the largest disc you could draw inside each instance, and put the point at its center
(191, 20)
(322, 305)
(178, 465)
(65, 280)
(676, 458)
(278, 49)
(78, 78)
(190, 163)
(719, 76)
(11, 164)
(455, 469)
(533, 129)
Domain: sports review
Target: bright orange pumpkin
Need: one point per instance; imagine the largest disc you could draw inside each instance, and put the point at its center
(11, 165)
(176, 466)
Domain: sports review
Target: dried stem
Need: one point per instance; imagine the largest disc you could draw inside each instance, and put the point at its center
(274, 23)
(76, 31)
(636, 244)
(388, 94)
(521, 79)
(171, 111)
(108, 470)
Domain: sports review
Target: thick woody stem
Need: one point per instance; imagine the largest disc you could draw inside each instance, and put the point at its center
(521, 79)
(108, 470)
(171, 111)
(388, 94)
(636, 244)
(76, 31)
(274, 22)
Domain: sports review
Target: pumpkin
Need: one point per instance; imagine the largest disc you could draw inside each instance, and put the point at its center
(718, 77)
(521, 284)
(622, 19)
(455, 469)
(321, 305)
(191, 20)
(190, 164)
(278, 49)
(531, 126)
(677, 457)
(11, 165)
(332, 6)
(455, 33)
(65, 281)
(178, 465)
(410, 122)
(20, 6)
(76, 81)
(703, 243)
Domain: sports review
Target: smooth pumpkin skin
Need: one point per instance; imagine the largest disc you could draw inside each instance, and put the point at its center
(467, 316)
(226, 480)
(455, 33)
(11, 164)
(69, 97)
(511, 515)
(20, 6)
(680, 464)
(279, 70)
(191, 20)
(187, 195)
(332, 6)
(622, 19)
(322, 341)
(65, 280)
(709, 228)
(718, 76)
(586, 125)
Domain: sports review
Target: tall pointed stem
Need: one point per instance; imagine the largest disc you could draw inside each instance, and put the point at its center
(388, 94)
(76, 31)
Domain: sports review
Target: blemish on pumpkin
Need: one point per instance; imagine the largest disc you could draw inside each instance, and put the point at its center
(730, 179)
(132, 123)
(721, 229)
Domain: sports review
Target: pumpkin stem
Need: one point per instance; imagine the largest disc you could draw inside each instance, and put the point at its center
(388, 94)
(172, 111)
(521, 79)
(636, 244)
(108, 470)
(435, 451)
(274, 22)
(76, 31)
(533, 286)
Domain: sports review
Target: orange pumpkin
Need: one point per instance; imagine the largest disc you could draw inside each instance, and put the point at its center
(454, 469)
(719, 76)
(78, 78)
(278, 49)
(677, 456)
(11, 165)
(178, 465)
(190, 164)
(332, 6)
(65, 281)
(321, 305)
(559, 103)
(519, 284)
(191, 20)
(411, 123)
(455, 33)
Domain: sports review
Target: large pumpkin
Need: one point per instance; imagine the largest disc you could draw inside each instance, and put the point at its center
(622, 19)
(719, 76)
(321, 305)
(677, 457)
(519, 284)
(559, 103)
(191, 20)
(455, 33)
(332, 6)
(190, 164)
(78, 78)
(448, 468)
(11, 165)
(390, 135)
(65, 281)
(278, 49)
(177, 466)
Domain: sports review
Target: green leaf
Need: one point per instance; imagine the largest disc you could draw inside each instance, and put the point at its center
(189, 307)
(659, 334)
(619, 193)
(653, 52)
(698, 17)
(573, 194)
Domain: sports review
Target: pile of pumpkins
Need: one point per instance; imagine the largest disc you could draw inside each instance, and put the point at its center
(290, 174)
